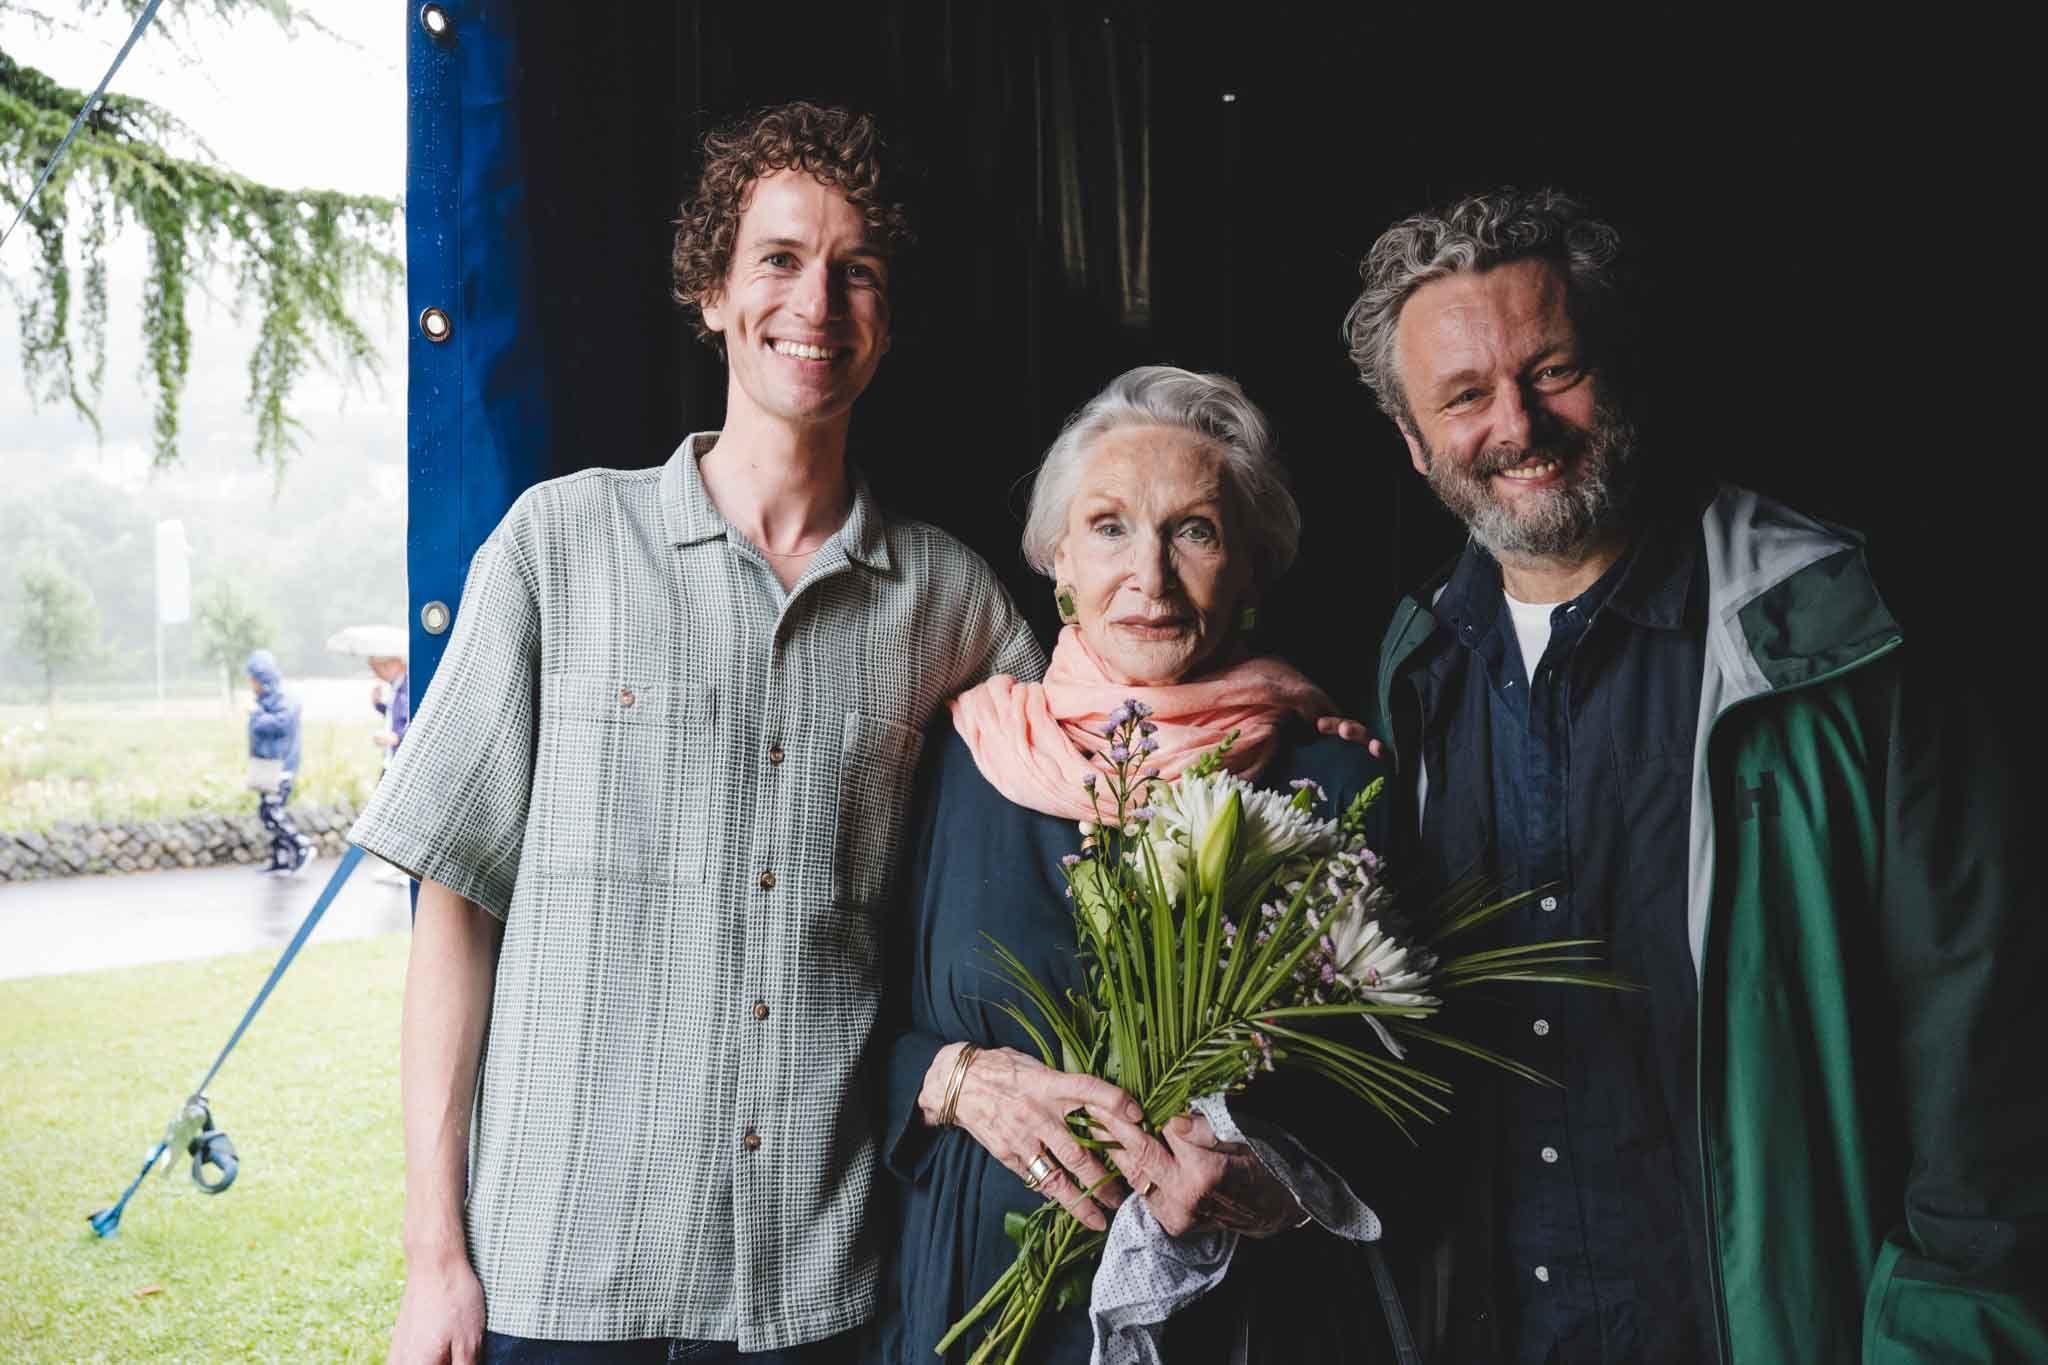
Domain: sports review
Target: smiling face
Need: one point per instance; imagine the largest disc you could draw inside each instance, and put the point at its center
(1508, 422)
(1151, 552)
(804, 310)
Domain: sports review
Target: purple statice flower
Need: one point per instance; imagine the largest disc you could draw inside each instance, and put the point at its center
(1139, 710)
(1229, 931)
(1148, 745)
(1145, 813)
(1150, 774)
(1119, 755)
(1328, 973)
(1272, 910)
(1088, 782)
(1310, 784)
(1146, 727)
(1069, 859)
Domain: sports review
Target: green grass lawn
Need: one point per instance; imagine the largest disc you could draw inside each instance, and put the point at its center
(116, 761)
(300, 1259)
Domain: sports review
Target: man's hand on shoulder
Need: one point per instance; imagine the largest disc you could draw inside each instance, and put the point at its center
(440, 1315)
(1352, 730)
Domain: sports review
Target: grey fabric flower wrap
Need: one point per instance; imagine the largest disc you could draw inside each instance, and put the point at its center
(1147, 1275)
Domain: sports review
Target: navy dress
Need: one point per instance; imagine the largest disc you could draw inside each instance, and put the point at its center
(980, 868)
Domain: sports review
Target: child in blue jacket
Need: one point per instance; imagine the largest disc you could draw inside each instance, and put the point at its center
(274, 735)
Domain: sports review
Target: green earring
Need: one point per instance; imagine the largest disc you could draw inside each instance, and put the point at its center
(1248, 619)
(1063, 597)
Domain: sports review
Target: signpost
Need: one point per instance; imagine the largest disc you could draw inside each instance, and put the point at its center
(173, 590)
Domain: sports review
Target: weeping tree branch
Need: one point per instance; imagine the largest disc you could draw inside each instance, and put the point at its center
(297, 256)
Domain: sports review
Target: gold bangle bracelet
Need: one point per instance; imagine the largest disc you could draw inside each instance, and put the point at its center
(950, 1104)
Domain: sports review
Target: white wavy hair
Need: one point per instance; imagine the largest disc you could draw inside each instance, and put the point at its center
(1213, 407)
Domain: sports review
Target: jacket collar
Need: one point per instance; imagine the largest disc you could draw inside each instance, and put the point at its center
(689, 517)
(1789, 599)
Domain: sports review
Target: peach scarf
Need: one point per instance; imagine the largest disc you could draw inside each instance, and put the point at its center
(1026, 737)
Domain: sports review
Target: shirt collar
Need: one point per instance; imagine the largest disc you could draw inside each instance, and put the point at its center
(691, 518)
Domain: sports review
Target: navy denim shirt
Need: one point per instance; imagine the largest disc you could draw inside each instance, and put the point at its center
(1583, 775)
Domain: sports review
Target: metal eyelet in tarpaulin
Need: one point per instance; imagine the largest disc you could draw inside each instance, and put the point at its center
(476, 406)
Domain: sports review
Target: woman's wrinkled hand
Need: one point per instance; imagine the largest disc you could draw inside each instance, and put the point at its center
(1190, 1179)
(1016, 1107)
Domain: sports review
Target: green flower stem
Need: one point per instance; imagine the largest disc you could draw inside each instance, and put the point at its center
(997, 1291)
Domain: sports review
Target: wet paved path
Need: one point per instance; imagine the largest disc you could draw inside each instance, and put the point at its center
(76, 924)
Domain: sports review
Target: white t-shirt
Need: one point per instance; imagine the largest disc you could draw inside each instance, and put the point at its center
(1532, 630)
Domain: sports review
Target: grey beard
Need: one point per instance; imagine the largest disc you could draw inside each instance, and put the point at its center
(1561, 523)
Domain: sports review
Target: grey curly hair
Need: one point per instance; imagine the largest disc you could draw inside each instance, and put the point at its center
(1210, 405)
(1477, 232)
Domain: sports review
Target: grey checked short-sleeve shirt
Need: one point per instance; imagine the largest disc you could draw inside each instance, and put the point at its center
(684, 792)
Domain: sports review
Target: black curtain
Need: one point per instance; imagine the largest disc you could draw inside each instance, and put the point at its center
(1104, 185)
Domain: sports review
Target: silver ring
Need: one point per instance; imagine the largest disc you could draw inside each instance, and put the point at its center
(1040, 1171)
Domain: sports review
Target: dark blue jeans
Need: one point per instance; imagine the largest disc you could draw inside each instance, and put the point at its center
(500, 1349)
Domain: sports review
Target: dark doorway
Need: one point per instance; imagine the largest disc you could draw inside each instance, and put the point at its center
(1110, 184)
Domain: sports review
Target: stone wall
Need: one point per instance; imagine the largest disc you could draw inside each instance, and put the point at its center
(69, 850)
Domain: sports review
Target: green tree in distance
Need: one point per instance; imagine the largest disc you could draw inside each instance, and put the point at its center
(228, 626)
(58, 625)
(297, 257)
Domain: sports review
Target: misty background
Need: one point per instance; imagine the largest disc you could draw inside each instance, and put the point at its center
(322, 546)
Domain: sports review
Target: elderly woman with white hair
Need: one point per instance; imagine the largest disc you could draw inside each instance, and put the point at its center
(1161, 515)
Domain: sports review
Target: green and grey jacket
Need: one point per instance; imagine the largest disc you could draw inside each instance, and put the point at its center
(1873, 1011)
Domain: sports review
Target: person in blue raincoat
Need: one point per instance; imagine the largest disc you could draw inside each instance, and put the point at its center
(274, 738)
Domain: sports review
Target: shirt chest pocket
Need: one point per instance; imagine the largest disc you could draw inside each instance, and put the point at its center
(623, 778)
(878, 768)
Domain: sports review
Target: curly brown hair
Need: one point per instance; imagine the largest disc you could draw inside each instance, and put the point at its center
(837, 147)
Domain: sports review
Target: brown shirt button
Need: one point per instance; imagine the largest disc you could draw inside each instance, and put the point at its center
(760, 1009)
(775, 753)
(768, 880)
(626, 697)
(752, 1141)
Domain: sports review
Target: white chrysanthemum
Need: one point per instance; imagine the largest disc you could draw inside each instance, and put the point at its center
(1272, 826)
(1172, 856)
(1379, 967)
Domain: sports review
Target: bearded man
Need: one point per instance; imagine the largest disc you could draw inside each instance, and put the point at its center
(1681, 717)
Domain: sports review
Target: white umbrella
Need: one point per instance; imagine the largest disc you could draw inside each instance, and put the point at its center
(369, 642)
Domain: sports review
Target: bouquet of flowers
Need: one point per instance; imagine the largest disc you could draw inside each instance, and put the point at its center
(1224, 930)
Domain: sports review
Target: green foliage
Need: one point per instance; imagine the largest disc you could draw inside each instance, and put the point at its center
(58, 625)
(228, 625)
(297, 257)
(300, 1260)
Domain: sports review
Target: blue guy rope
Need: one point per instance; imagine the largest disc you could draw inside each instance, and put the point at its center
(191, 1128)
(141, 23)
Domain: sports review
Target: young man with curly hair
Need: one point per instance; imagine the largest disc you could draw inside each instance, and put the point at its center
(652, 800)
